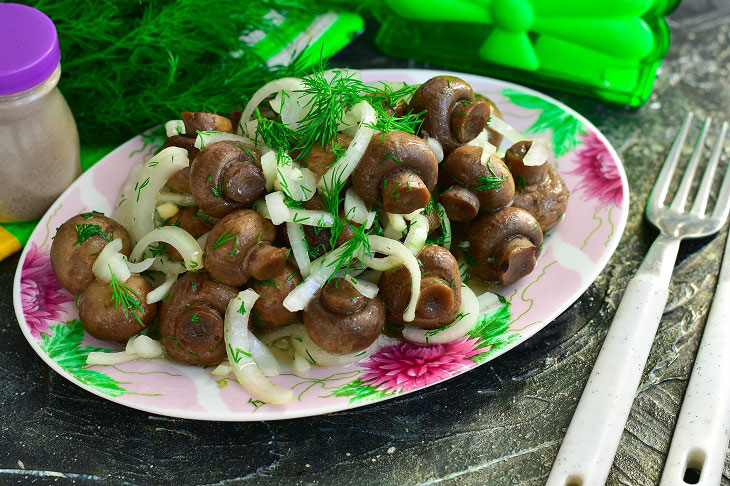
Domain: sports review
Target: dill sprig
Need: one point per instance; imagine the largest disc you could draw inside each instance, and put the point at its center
(126, 297)
(223, 238)
(492, 181)
(85, 231)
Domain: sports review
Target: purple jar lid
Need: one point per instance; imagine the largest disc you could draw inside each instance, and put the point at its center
(29, 52)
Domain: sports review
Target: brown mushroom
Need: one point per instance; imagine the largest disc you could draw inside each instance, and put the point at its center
(180, 182)
(191, 220)
(493, 136)
(397, 169)
(269, 311)
(106, 317)
(319, 239)
(238, 247)
(540, 189)
(191, 319)
(319, 158)
(78, 242)
(440, 297)
(453, 116)
(205, 122)
(226, 176)
(504, 245)
(492, 184)
(341, 320)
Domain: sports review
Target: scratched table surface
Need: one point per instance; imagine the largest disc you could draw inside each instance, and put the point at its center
(501, 423)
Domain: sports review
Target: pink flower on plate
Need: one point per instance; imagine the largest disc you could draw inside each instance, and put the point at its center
(40, 292)
(600, 176)
(408, 366)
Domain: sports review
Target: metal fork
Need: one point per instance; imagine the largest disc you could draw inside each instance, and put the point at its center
(590, 444)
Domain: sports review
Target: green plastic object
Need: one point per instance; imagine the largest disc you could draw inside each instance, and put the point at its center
(608, 49)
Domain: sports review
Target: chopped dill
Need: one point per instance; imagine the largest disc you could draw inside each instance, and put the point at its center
(242, 310)
(238, 354)
(126, 297)
(216, 190)
(85, 231)
(492, 181)
(224, 237)
(195, 318)
(267, 283)
(520, 182)
(138, 187)
(91, 214)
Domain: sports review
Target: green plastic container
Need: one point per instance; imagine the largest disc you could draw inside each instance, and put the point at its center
(607, 49)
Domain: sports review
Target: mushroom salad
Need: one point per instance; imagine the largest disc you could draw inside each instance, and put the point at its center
(332, 217)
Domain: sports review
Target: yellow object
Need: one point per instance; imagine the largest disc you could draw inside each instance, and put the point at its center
(9, 244)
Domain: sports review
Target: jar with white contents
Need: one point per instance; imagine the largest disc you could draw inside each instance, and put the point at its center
(38, 136)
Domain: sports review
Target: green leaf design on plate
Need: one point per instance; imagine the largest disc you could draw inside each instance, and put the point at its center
(64, 347)
(358, 391)
(491, 330)
(566, 128)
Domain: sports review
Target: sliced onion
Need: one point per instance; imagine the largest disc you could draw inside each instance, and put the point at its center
(436, 147)
(146, 347)
(263, 357)
(468, 314)
(298, 248)
(250, 131)
(223, 369)
(205, 139)
(279, 213)
(308, 184)
(500, 126)
(102, 358)
(300, 363)
(140, 267)
(355, 209)
(174, 127)
(125, 195)
(417, 234)
(179, 239)
(538, 152)
(161, 291)
(395, 226)
(202, 239)
(268, 167)
(396, 249)
(368, 289)
(482, 140)
(283, 84)
(239, 350)
(110, 261)
(140, 214)
(177, 198)
(488, 301)
(370, 219)
(344, 167)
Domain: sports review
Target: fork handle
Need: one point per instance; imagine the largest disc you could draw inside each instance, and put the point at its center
(590, 444)
(703, 428)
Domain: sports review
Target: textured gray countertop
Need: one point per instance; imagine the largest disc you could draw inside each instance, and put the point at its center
(501, 423)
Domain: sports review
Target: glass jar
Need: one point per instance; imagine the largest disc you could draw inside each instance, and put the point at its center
(38, 136)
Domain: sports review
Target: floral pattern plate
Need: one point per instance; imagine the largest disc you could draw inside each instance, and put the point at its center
(573, 256)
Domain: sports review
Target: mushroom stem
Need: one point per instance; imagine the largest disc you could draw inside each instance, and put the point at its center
(265, 261)
(460, 203)
(514, 259)
(530, 174)
(436, 300)
(243, 183)
(404, 192)
(468, 119)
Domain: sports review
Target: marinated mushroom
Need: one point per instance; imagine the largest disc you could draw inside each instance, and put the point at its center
(238, 247)
(226, 176)
(116, 314)
(341, 320)
(453, 115)
(491, 183)
(205, 122)
(76, 245)
(319, 239)
(540, 189)
(319, 158)
(191, 319)
(493, 136)
(180, 182)
(440, 298)
(191, 220)
(504, 245)
(269, 311)
(397, 171)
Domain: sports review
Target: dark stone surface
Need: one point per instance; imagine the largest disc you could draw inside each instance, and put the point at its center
(499, 424)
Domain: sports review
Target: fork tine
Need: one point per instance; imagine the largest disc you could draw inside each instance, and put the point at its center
(722, 206)
(703, 193)
(680, 198)
(661, 186)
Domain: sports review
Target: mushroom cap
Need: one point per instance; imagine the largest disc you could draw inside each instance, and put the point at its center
(465, 167)
(489, 237)
(269, 310)
(238, 247)
(226, 176)
(104, 320)
(180, 181)
(190, 220)
(394, 152)
(191, 319)
(319, 158)
(529, 174)
(341, 320)
(547, 201)
(441, 97)
(205, 122)
(72, 261)
(440, 298)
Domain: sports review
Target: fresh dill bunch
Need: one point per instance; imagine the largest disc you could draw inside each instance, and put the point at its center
(274, 134)
(126, 297)
(385, 122)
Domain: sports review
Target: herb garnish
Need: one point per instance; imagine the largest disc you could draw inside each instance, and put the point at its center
(126, 297)
(85, 231)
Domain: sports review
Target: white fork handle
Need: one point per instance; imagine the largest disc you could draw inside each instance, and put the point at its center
(701, 436)
(590, 444)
